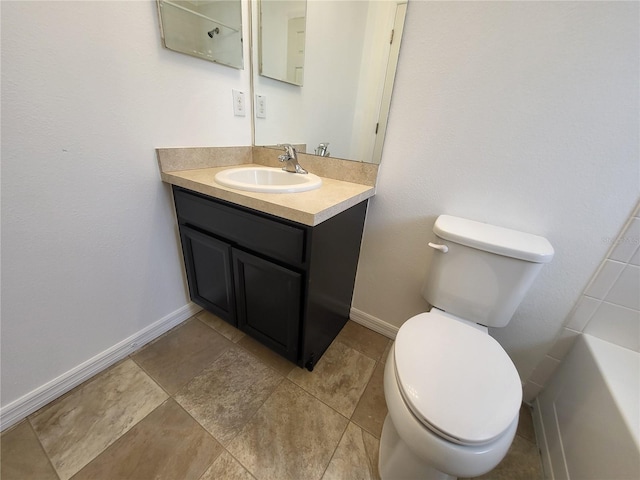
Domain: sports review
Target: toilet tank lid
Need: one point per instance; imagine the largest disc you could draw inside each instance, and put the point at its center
(490, 238)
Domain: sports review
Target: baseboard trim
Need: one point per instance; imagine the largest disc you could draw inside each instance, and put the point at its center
(32, 401)
(541, 440)
(373, 323)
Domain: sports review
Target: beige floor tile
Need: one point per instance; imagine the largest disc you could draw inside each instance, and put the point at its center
(177, 357)
(226, 468)
(79, 426)
(364, 340)
(522, 462)
(22, 455)
(356, 457)
(385, 354)
(167, 444)
(372, 407)
(338, 379)
(267, 356)
(525, 423)
(120, 424)
(291, 437)
(223, 328)
(225, 396)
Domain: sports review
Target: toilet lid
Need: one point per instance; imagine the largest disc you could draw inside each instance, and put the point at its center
(455, 378)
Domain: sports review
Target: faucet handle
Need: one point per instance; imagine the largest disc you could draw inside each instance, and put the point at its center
(289, 149)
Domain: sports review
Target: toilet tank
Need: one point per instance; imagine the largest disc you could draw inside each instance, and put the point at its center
(481, 272)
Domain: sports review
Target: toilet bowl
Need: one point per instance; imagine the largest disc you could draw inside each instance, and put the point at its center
(452, 392)
(463, 437)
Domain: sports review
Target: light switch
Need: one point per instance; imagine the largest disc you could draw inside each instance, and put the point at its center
(239, 109)
(261, 106)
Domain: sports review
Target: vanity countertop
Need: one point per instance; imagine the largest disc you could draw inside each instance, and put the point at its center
(309, 208)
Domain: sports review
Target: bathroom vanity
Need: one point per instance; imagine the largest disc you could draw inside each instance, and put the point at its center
(282, 275)
(285, 284)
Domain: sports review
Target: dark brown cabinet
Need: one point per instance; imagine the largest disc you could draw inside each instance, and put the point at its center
(286, 284)
(269, 300)
(204, 254)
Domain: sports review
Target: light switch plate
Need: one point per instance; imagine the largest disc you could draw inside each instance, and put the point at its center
(261, 106)
(239, 108)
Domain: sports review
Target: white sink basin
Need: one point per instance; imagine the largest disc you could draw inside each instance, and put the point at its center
(267, 180)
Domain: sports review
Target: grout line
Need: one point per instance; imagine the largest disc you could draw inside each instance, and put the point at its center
(251, 418)
(151, 377)
(42, 448)
(333, 454)
(360, 400)
(316, 398)
(237, 460)
(324, 402)
(203, 428)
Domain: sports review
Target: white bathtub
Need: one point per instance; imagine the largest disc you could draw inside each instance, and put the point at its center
(588, 416)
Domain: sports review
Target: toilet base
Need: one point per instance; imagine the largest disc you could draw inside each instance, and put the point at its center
(397, 462)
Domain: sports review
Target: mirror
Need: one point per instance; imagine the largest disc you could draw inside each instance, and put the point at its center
(207, 29)
(281, 43)
(350, 58)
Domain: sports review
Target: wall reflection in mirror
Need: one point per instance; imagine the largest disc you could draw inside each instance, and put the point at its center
(348, 68)
(207, 29)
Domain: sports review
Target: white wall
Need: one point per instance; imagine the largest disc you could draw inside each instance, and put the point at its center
(521, 114)
(90, 253)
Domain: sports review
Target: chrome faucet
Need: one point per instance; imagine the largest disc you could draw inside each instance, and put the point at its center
(291, 157)
(322, 150)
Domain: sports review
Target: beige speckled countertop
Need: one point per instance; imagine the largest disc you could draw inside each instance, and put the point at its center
(309, 208)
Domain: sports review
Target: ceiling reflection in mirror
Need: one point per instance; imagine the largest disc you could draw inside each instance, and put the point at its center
(350, 50)
(281, 43)
(207, 29)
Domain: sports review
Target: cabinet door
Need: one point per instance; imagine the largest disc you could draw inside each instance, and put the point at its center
(208, 264)
(269, 302)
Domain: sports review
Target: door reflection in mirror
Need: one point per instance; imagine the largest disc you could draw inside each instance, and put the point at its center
(281, 42)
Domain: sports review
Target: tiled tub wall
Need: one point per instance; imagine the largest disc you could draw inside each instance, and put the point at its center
(609, 308)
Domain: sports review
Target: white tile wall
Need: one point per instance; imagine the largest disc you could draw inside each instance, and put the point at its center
(604, 279)
(544, 370)
(616, 324)
(609, 308)
(625, 290)
(582, 313)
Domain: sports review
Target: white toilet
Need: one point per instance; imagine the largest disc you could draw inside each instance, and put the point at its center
(452, 392)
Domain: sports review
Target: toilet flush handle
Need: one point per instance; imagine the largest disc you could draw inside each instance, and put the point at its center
(442, 248)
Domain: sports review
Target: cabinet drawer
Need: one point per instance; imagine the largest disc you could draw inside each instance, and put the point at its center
(262, 235)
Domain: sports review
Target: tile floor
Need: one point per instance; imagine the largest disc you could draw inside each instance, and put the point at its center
(206, 402)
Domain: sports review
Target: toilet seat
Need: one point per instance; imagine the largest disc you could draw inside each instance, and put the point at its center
(456, 379)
